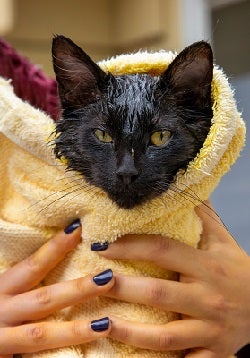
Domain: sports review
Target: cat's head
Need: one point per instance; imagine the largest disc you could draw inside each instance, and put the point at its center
(130, 134)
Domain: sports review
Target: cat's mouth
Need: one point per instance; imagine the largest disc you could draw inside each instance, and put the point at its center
(136, 193)
(129, 202)
(129, 199)
(127, 196)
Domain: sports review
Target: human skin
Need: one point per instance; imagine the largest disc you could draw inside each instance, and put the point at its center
(20, 304)
(213, 295)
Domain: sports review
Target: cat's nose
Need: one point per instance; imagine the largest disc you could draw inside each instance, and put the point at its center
(127, 171)
(127, 177)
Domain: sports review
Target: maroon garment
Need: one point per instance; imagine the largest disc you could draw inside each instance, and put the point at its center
(28, 80)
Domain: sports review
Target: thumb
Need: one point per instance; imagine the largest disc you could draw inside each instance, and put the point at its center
(214, 231)
(202, 353)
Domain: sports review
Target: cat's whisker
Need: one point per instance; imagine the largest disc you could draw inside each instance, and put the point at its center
(185, 193)
(51, 143)
(92, 191)
(64, 204)
(73, 175)
(190, 194)
(52, 194)
(79, 183)
(83, 188)
(60, 198)
(56, 164)
(197, 201)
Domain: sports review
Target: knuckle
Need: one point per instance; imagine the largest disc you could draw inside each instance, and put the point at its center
(79, 286)
(165, 341)
(156, 294)
(33, 264)
(36, 333)
(218, 304)
(43, 296)
(216, 268)
(125, 334)
(219, 270)
(76, 329)
(161, 245)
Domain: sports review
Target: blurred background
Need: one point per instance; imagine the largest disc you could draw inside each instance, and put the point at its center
(109, 27)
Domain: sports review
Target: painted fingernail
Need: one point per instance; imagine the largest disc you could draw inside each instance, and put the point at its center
(99, 246)
(103, 278)
(100, 325)
(72, 227)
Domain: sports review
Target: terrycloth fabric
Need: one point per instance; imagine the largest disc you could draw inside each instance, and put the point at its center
(38, 197)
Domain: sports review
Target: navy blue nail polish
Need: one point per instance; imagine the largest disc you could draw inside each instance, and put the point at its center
(72, 227)
(100, 325)
(99, 246)
(103, 278)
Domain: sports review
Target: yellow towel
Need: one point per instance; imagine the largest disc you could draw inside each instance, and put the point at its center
(37, 197)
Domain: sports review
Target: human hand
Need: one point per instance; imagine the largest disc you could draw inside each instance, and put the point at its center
(19, 305)
(213, 294)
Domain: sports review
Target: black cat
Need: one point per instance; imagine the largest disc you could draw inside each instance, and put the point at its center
(130, 134)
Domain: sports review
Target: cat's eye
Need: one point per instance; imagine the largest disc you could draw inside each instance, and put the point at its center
(159, 138)
(103, 136)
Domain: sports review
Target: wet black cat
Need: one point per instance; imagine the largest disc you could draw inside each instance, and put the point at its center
(130, 134)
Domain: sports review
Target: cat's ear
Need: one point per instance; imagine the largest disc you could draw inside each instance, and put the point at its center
(80, 80)
(188, 78)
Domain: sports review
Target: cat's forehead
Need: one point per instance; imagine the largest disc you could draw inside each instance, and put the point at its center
(132, 88)
(132, 96)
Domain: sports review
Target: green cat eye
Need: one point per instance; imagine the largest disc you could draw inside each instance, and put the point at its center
(103, 136)
(159, 138)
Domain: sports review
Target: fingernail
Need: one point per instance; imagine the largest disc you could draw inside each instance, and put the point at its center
(99, 246)
(103, 278)
(100, 325)
(72, 227)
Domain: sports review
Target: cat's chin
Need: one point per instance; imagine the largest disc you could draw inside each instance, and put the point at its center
(127, 205)
(130, 197)
(130, 202)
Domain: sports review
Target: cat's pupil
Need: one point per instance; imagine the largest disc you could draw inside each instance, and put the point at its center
(103, 136)
(159, 138)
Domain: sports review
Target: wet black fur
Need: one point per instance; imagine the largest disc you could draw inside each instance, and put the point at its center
(130, 108)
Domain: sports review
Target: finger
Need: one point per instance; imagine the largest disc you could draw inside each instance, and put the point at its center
(166, 295)
(29, 272)
(203, 353)
(47, 335)
(177, 335)
(214, 230)
(41, 302)
(164, 252)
